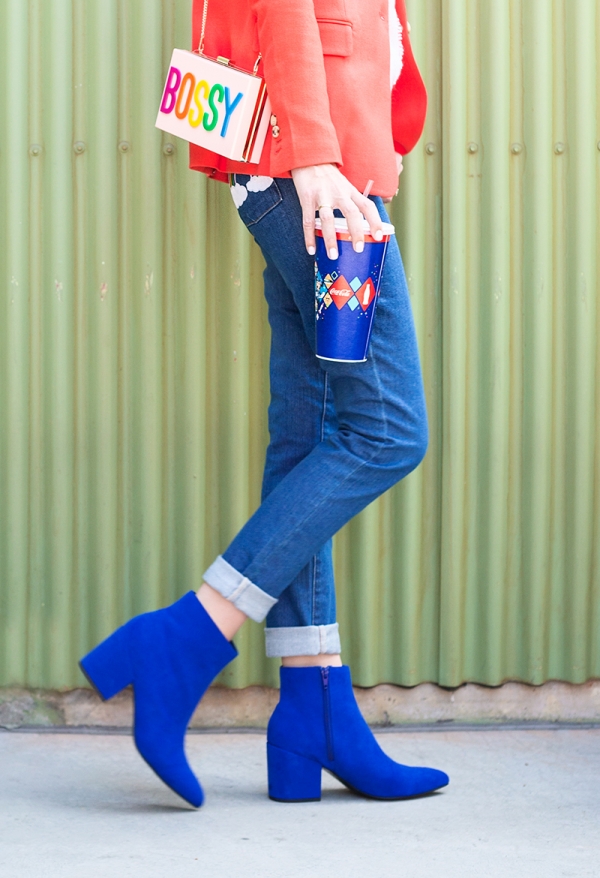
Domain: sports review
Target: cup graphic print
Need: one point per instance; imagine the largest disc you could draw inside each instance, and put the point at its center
(346, 291)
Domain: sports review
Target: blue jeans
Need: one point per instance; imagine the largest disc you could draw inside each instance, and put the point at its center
(340, 434)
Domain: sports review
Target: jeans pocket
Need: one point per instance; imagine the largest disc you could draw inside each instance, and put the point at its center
(257, 205)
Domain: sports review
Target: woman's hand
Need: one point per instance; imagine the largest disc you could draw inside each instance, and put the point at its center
(323, 188)
(400, 168)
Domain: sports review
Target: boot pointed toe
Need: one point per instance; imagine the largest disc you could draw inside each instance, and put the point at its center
(427, 780)
(437, 779)
(175, 772)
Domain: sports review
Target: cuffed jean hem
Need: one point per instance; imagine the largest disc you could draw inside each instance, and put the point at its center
(304, 640)
(246, 596)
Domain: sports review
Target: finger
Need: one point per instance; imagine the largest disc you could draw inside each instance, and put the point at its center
(371, 215)
(328, 227)
(355, 225)
(308, 225)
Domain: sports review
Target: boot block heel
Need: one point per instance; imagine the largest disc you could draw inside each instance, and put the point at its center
(292, 778)
(108, 667)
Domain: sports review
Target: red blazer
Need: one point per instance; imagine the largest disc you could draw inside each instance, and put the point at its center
(327, 70)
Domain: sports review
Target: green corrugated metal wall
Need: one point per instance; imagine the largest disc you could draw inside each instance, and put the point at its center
(134, 343)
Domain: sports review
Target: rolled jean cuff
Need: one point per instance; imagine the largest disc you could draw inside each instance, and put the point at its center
(304, 640)
(246, 596)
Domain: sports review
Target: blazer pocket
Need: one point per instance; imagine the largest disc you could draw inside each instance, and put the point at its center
(337, 37)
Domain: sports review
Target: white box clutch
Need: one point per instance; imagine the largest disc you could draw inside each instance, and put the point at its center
(214, 105)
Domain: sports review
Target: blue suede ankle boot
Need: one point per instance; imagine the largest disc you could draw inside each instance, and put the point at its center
(170, 656)
(316, 725)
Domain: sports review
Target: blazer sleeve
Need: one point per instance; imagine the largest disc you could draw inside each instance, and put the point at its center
(294, 71)
(409, 96)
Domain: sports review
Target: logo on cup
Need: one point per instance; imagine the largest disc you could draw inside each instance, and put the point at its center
(340, 291)
(366, 294)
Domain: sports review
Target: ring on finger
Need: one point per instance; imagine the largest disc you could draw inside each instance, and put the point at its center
(328, 206)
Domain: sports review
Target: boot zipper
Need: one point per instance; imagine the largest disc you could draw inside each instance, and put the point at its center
(327, 713)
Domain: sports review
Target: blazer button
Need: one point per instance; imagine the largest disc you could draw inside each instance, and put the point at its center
(273, 120)
(275, 130)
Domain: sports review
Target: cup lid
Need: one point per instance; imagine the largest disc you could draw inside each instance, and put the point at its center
(342, 226)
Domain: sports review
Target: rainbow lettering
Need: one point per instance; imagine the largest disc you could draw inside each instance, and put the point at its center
(215, 106)
(184, 95)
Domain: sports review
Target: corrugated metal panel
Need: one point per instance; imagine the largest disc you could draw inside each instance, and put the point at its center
(134, 352)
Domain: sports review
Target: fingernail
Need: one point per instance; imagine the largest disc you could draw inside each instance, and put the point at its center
(333, 254)
(378, 235)
(359, 246)
(311, 251)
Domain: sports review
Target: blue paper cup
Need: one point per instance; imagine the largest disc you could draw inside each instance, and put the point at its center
(346, 292)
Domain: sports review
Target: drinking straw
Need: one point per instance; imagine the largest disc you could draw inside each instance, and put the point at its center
(368, 187)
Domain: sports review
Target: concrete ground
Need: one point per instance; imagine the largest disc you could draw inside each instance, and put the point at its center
(520, 803)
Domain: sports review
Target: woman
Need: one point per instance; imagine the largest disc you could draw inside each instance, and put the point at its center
(341, 433)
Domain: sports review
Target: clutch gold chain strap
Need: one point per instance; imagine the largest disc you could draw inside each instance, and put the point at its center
(203, 31)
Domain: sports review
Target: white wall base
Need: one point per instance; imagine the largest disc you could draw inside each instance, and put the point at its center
(383, 705)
